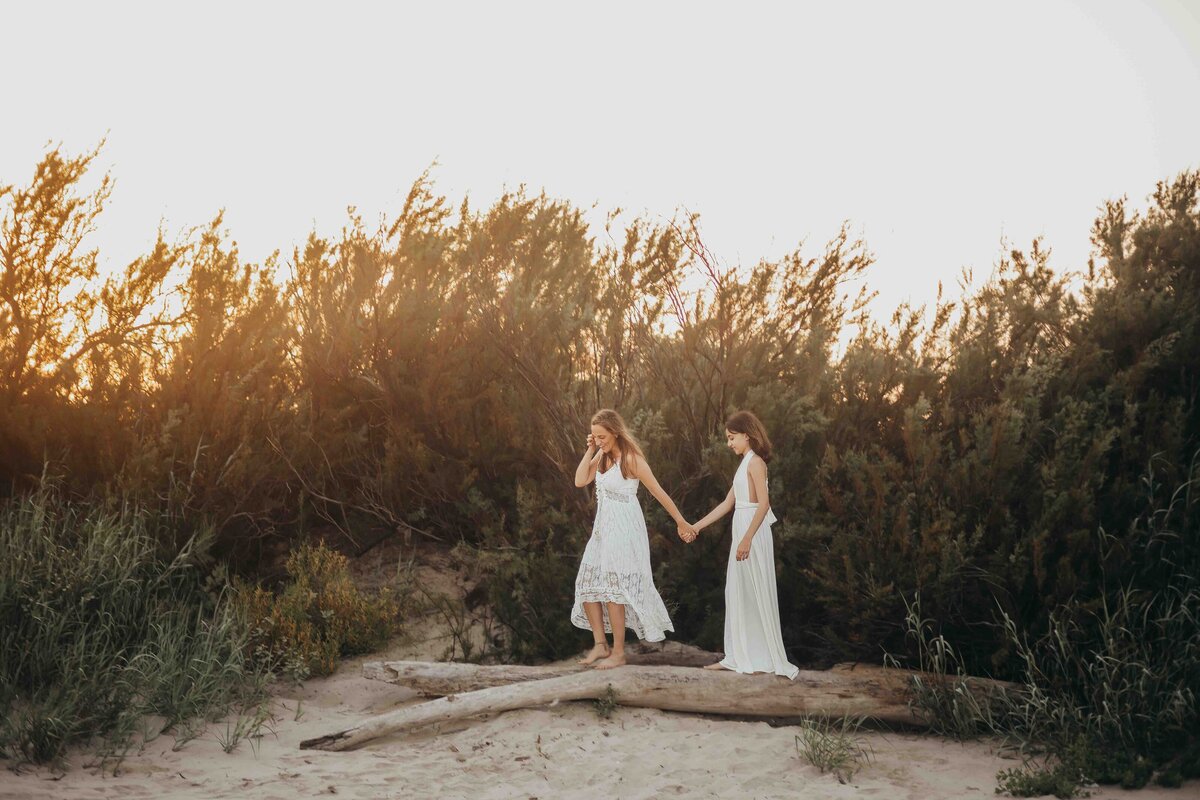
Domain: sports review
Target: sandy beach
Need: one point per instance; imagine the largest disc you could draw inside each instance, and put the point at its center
(558, 752)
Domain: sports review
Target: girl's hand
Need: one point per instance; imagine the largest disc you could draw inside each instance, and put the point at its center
(687, 532)
(743, 551)
(591, 442)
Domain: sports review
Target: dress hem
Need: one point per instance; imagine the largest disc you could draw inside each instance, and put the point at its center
(791, 677)
(580, 620)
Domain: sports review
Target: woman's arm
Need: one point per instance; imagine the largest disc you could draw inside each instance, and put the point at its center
(585, 473)
(758, 479)
(721, 510)
(643, 473)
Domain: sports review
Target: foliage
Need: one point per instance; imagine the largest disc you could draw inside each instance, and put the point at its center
(318, 617)
(100, 629)
(1002, 454)
(1109, 692)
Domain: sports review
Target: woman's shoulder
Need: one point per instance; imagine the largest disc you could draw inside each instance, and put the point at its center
(757, 464)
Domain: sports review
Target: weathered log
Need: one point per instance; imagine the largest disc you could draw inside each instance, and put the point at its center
(877, 693)
(668, 654)
(437, 679)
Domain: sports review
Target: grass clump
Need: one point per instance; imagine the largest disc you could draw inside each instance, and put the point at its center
(607, 704)
(834, 746)
(942, 694)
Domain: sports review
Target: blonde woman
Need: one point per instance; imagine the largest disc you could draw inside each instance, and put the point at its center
(614, 588)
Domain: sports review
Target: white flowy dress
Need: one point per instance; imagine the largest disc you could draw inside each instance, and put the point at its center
(616, 562)
(753, 640)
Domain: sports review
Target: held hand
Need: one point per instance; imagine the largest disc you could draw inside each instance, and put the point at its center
(743, 551)
(687, 532)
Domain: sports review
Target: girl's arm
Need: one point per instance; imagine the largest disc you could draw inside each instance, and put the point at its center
(643, 473)
(585, 473)
(721, 510)
(758, 479)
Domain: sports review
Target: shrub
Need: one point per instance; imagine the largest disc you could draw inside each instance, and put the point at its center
(100, 628)
(318, 617)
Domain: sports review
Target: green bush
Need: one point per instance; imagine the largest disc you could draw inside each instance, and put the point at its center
(317, 618)
(529, 579)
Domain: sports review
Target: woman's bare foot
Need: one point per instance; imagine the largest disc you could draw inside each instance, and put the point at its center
(615, 660)
(717, 665)
(599, 651)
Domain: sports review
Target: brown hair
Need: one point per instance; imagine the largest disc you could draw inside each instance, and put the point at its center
(745, 422)
(611, 421)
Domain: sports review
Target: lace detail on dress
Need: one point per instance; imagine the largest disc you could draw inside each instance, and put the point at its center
(593, 585)
(604, 493)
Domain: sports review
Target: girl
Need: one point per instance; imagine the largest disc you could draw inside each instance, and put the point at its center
(614, 587)
(753, 642)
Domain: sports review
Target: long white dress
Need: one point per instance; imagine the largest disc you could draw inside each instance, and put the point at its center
(753, 641)
(616, 562)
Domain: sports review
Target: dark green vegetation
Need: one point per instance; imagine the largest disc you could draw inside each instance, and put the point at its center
(107, 635)
(1024, 459)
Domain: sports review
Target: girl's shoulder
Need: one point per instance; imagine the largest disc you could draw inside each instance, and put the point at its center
(756, 463)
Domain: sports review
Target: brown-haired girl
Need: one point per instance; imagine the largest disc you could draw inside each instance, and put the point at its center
(753, 641)
(615, 587)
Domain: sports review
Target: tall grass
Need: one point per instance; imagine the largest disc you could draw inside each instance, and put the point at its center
(941, 694)
(1109, 692)
(102, 629)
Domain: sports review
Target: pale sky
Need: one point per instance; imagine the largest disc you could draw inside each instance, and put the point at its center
(935, 129)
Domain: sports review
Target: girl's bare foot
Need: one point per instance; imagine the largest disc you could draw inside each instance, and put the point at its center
(615, 660)
(599, 651)
(717, 665)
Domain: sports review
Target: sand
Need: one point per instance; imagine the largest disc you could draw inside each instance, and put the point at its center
(565, 751)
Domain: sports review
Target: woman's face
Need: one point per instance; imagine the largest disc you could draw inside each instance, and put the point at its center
(738, 442)
(604, 438)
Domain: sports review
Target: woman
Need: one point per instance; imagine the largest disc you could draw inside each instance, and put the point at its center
(614, 588)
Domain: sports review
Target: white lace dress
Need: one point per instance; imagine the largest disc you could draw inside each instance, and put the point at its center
(753, 641)
(616, 563)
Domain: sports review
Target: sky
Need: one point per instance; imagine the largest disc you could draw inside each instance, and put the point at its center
(937, 130)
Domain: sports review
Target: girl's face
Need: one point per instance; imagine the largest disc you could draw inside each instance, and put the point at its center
(604, 438)
(738, 442)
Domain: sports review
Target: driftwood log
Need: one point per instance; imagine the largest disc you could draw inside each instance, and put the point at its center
(468, 690)
(436, 679)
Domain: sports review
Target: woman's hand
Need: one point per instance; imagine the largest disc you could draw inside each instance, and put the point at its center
(743, 551)
(585, 473)
(687, 531)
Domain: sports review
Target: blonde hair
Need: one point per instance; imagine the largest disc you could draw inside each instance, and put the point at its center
(745, 422)
(611, 421)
